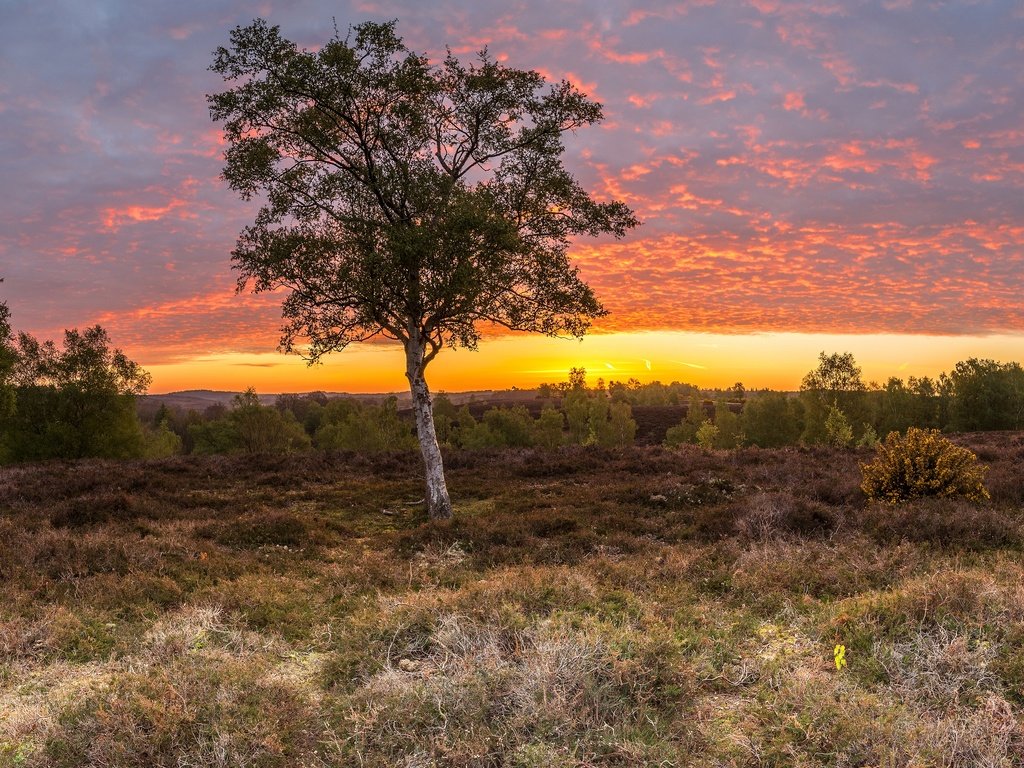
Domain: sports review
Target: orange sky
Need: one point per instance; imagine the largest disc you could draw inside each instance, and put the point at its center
(773, 360)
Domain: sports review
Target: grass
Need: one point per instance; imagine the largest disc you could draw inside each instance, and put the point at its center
(582, 608)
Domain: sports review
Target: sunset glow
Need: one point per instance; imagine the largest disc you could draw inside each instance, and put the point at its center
(772, 360)
(810, 175)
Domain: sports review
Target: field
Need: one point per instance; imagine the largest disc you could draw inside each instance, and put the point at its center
(583, 608)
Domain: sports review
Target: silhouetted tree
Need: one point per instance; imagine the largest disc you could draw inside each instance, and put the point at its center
(76, 400)
(836, 374)
(577, 379)
(986, 395)
(835, 383)
(8, 360)
(404, 199)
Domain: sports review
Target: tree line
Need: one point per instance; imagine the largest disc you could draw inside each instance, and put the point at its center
(835, 406)
(79, 399)
(314, 421)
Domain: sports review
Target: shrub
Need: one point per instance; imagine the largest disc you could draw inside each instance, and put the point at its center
(577, 416)
(681, 434)
(685, 432)
(161, 441)
(249, 428)
(351, 426)
(93, 509)
(259, 529)
(922, 463)
(72, 402)
(869, 439)
(264, 429)
(549, 429)
(612, 424)
(707, 435)
(838, 431)
(730, 434)
(512, 426)
(193, 712)
(501, 427)
(764, 516)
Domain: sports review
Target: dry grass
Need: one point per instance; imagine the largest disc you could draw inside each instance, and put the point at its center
(583, 608)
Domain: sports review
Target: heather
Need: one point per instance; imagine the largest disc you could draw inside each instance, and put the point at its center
(584, 606)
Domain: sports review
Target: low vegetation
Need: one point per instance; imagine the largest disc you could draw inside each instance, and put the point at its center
(585, 606)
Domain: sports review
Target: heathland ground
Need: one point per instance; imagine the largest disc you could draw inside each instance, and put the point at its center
(585, 606)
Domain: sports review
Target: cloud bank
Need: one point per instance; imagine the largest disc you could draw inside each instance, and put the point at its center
(805, 166)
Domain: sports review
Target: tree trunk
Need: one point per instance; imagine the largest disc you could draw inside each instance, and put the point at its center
(439, 506)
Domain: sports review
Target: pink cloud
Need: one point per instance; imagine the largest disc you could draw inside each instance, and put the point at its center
(114, 218)
(794, 102)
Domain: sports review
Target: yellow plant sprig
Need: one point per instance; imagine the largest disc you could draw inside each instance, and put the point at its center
(840, 655)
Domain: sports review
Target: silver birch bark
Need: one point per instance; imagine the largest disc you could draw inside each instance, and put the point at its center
(439, 505)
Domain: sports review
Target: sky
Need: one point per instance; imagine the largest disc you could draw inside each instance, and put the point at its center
(812, 175)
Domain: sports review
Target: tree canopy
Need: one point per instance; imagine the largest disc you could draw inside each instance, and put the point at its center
(835, 373)
(405, 199)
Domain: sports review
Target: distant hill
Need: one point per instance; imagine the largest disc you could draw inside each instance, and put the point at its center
(201, 399)
(196, 399)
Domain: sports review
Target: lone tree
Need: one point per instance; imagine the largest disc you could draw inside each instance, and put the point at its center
(405, 200)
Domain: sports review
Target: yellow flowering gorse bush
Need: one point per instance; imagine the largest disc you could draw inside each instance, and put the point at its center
(922, 463)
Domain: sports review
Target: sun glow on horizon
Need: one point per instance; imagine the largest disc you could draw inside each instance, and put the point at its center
(769, 360)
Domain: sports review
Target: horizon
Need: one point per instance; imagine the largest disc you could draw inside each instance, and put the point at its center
(811, 177)
(712, 363)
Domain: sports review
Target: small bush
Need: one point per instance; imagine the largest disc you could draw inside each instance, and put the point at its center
(764, 516)
(94, 509)
(1006, 481)
(922, 463)
(707, 435)
(192, 712)
(838, 432)
(869, 439)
